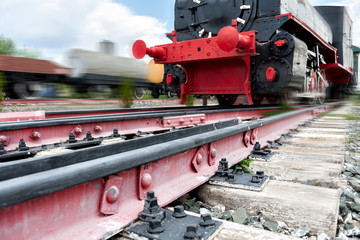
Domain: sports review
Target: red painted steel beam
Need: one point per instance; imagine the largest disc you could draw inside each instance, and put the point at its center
(60, 132)
(78, 212)
(16, 116)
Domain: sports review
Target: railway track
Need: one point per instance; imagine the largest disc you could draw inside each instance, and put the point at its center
(94, 192)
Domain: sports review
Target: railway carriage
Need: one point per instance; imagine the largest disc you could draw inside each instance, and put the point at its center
(245, 50)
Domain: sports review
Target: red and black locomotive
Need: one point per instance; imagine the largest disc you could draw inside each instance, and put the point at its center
(245, 50)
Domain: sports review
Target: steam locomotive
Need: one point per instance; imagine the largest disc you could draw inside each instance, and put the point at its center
(243, 51)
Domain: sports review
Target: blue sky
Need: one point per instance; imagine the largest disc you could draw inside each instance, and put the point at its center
(160, 9)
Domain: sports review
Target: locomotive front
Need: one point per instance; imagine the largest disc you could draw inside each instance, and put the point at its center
(245, 50)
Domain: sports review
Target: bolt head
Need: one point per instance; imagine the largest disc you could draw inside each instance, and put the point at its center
(77, 131)
(146, 180)
(112, 194)
(35, 135)
(213, 153)
(199, 159)
(98, 128)
(3, 138)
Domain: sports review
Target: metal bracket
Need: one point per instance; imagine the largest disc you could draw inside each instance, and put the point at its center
(164, 224)
(199, 157)
(258, 153)
(183, 121)
(109, 203)
(238, 179)
(274, 144)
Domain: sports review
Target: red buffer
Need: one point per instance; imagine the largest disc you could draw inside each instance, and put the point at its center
(216, 65)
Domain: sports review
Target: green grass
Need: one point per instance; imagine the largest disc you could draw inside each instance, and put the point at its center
(284, 109)
(245, 165)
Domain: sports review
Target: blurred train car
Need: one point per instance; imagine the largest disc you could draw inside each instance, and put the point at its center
(97, 72)
(94, 74)
(25, 78)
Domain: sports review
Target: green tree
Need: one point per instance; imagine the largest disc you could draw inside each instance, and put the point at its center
(7, 46)
(27, 53)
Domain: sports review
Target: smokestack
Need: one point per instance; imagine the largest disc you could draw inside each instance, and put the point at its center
(107, 47)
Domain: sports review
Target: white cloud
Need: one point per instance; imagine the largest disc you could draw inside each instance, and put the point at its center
(56, 26)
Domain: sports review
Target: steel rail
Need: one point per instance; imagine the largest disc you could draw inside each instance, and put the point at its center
(49, 131)
(13, 191)
(71, 200)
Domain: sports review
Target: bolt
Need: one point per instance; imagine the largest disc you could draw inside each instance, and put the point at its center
(202, 119)
(231, 178)
(22, 145)
(179, 212)
(2, 149)
(89, 137)
(152, 209)
(213, 153)
(223, 165)
(181, 121)
(78, 130)
(116, 133)
(35, 135)
(257, 146)
(239, 171)
(206, 220)
(199, 159)
(155, 227)
(150, 194)
(3, 139)
(97, 128)
(72, 138)
(255, 179)
(192, 232)
(168, 122)
(146, 180)
(112, 194)
(260, 174)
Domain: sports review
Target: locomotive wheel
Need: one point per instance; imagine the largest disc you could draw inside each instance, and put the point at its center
(227, 100)
(29, 90)
(311, 101)
(321, 100)
(273, 99)
(139, 93)
(257, 99)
